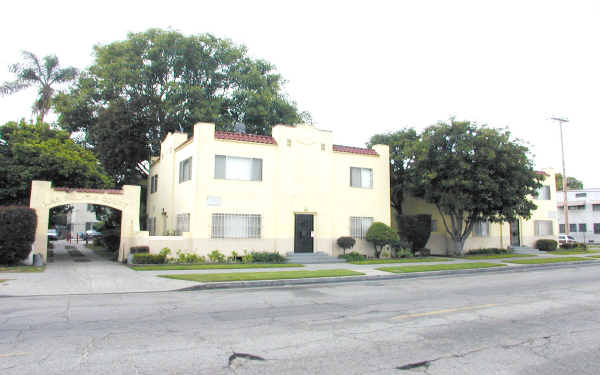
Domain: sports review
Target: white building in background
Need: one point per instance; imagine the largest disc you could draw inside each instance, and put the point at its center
(584, 214)
(81, 218)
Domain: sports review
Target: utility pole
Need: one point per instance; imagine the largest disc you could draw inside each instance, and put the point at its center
(561, 121)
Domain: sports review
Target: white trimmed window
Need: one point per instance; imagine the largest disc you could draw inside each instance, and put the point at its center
(153, 184)
(185, 170)
(236, 226)
(543, 193)
(152, 226)
(543, 228)
(238, 168)
(183, 223)
(359, 226)
(481, 229)
(361, 177)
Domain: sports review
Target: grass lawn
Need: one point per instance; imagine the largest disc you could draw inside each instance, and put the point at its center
(1, 281)
(402, 260)
(16, 269)
(571, 252)
(546, 260)
(164, 267)
(245, 276)
(496, 256)
(593, 256)
(439, 267)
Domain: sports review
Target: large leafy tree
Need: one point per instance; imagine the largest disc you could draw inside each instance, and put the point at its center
(38, 152)
(572, 183)
(474, 173)
(45, 74)
(403, 147)
(158, 81)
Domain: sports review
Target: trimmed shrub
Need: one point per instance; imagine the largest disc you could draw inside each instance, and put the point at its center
(139, 250)
(353, 257)
(415, 229)
(216, 257)
(546, 245)
(488, 251)
(267, 257)
(568, 245)
(380, 235)
(144, 258)
(17, 233)
(346, 243)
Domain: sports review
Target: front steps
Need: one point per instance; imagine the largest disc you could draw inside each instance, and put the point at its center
(312, 258)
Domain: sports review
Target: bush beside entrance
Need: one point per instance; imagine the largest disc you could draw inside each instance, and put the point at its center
(17, 233)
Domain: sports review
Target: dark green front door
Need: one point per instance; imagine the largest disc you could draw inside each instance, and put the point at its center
(303, 238)
(515, 235)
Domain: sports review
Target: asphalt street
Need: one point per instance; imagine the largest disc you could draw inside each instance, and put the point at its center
(539, 322)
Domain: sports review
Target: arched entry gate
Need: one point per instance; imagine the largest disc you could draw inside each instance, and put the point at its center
(44, 197)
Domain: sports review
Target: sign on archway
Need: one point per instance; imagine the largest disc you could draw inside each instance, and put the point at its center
(44, 197)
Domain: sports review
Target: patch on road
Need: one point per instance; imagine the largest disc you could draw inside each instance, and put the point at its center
(415, 365)
(239, 359)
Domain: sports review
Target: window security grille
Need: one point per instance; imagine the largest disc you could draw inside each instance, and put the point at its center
(183, 223)
(153, 184)
(359, 226)
(561, 228)
(596, 228)
(152, 226)
(236, 226)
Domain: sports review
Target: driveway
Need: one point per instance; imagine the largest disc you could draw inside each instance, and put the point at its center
(75, 269)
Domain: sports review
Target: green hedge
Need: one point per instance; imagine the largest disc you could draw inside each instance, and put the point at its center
(491, 250)
(266, 257)
(546, 245)
(143, 258)
(353, 257)
(17, 233)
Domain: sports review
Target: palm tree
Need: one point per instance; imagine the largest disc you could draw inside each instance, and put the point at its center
(44, 74)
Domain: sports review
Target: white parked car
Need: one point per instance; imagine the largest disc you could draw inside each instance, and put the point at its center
(564, 239)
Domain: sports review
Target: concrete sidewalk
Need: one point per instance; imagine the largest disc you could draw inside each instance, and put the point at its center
(68, 274)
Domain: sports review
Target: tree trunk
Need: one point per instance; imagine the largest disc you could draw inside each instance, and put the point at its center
(459, 245)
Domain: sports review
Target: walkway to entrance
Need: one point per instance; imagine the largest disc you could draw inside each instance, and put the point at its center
(87, 273)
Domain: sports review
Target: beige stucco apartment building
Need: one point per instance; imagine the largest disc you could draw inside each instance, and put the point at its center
(294, 191)
(520, 233)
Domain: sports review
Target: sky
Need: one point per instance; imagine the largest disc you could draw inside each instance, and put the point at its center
(367, 67)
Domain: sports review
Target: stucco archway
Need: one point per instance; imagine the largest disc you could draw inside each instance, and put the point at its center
(44, 197)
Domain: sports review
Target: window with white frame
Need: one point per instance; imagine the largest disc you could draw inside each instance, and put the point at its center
(543, 193)
(238, 168)
(543, 228)
(561, 228)
(580, 195)
(361, 177)
(572, 228)
(236, 226)
(185, 170)
(183, 223)
(583, 227)
(595, 207)
(359, 226)
(152, 226)
(153, 184)
(481, 229)
(596, 228)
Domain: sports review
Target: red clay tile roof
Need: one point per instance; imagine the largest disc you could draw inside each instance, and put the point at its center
(542, 173)
(86, 190)
(245, 137)
(354, 150)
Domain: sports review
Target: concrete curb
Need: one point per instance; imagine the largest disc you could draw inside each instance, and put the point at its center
(346, 279)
